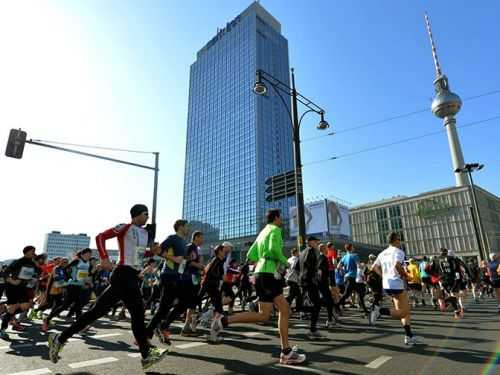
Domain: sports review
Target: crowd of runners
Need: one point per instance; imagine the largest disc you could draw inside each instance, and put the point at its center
(158, 283)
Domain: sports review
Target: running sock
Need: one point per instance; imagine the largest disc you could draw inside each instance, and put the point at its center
(385, 311)
(286, 351)
(408, 331)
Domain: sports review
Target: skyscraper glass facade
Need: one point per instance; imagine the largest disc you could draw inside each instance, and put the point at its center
(235, 139)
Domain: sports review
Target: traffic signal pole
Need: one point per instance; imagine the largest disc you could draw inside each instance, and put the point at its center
(15, 148)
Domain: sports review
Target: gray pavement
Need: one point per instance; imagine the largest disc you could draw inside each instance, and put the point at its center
(451, 347)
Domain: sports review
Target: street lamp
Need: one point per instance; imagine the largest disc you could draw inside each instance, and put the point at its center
(281, 88)
(482, 241)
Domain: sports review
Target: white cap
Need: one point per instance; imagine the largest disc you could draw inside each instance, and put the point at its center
(492, 256)
(227, 244)
(451, 253)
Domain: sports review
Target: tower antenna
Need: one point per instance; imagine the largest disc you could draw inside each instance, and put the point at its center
(433, 46)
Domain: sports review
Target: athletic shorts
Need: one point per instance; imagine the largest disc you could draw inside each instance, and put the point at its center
(450, 287)
(16, 294)
(267, 287)
(393, 292)
(417, 287)
(426, 280)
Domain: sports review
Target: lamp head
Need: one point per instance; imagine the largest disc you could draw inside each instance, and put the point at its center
(259, 87)
(323, 124)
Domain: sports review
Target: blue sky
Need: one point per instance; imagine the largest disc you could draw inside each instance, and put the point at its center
(116, 73)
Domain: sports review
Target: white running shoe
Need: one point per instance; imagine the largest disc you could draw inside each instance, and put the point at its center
(314, 335)
(206, 317)
(292, 358)
(330, 324)
(374, 315)
(412, 341)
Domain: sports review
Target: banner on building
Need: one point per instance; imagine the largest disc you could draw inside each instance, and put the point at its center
(324, 216)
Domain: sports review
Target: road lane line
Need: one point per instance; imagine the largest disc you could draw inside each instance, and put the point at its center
(378, 362)
(105, 335)
(134, 355)
(33, 372)
(305, 369)
(93, 362)
(251, 334)
(191, 345)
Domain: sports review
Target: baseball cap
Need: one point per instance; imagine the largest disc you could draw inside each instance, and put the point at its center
(227, 244)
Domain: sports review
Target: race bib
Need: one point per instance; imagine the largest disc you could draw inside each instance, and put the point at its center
(26, 273)
(31, 284)
(82, 275)
(138, 258)
(2, 280)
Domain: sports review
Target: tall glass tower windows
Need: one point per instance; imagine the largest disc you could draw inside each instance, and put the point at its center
(235, 140)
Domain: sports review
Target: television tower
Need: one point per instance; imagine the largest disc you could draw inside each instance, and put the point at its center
(446, 105)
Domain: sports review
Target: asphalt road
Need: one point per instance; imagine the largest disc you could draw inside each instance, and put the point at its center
(466, 346)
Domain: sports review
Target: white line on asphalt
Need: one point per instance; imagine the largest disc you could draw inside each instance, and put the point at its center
(105, 335)
(4, 347)
(305, 369)
(378, 362)
(251, 334)
(134, 355)
(33, 372)
(191, 345)
(93, 362)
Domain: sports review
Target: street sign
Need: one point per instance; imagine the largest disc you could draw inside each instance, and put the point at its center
(282, 186)
(15, 144)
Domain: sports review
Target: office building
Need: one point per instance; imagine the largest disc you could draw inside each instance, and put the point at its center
(58, 244)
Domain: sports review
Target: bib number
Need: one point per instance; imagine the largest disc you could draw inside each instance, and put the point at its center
(26, 273)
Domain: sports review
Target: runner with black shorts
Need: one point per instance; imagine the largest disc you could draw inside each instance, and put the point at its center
(17, 276)
(124, 286)
(267, 252)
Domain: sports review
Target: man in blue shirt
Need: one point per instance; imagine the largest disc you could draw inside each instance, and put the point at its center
(349, 264)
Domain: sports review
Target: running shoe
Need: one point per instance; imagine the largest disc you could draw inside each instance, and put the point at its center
(412, 341)
(194, 322)
(292, 358)
(55, 347)
(16, 326)
(330, 324)
(314, 335)
(374, 315)
(33, 314)
(214, 338)
(4, 335)
(45, 325)
(155, 355)
(188, 332)
(163, 336)
(217, 325)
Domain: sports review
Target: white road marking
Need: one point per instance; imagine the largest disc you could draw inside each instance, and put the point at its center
(378, 362)
(251, 334)
(4, 347)
(191, 345)
(305, 369)
(93, 362)
(33, 372)
(134, 355)
(105, 335)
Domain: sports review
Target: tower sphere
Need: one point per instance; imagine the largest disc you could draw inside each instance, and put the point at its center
(446, 104)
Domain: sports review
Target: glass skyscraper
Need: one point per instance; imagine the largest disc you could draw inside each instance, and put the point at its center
(236, 139)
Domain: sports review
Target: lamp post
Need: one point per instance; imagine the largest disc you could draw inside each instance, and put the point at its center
(483, 243)
(280, 88)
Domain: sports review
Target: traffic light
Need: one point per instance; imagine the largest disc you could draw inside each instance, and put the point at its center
(15, 144)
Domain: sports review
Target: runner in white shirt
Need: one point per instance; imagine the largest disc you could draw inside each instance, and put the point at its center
(389, 264)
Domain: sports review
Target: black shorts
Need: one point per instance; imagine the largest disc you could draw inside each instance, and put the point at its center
(414, 286)
(450, 286)
(267, 287)
(426, 280)
(393, 292)
(16, 294)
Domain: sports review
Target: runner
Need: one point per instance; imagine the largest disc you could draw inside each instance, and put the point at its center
(125, 286)
(175, 284)
(267, 252)
(309, 281)
(494, 273)
(324, 284)
(78, 270)
(55, 287)
(349, 264)
(426, 279)
(292, 279)
(17, 275)
(415, 283)
(449, 279)
(194, 268)
(389, 265)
